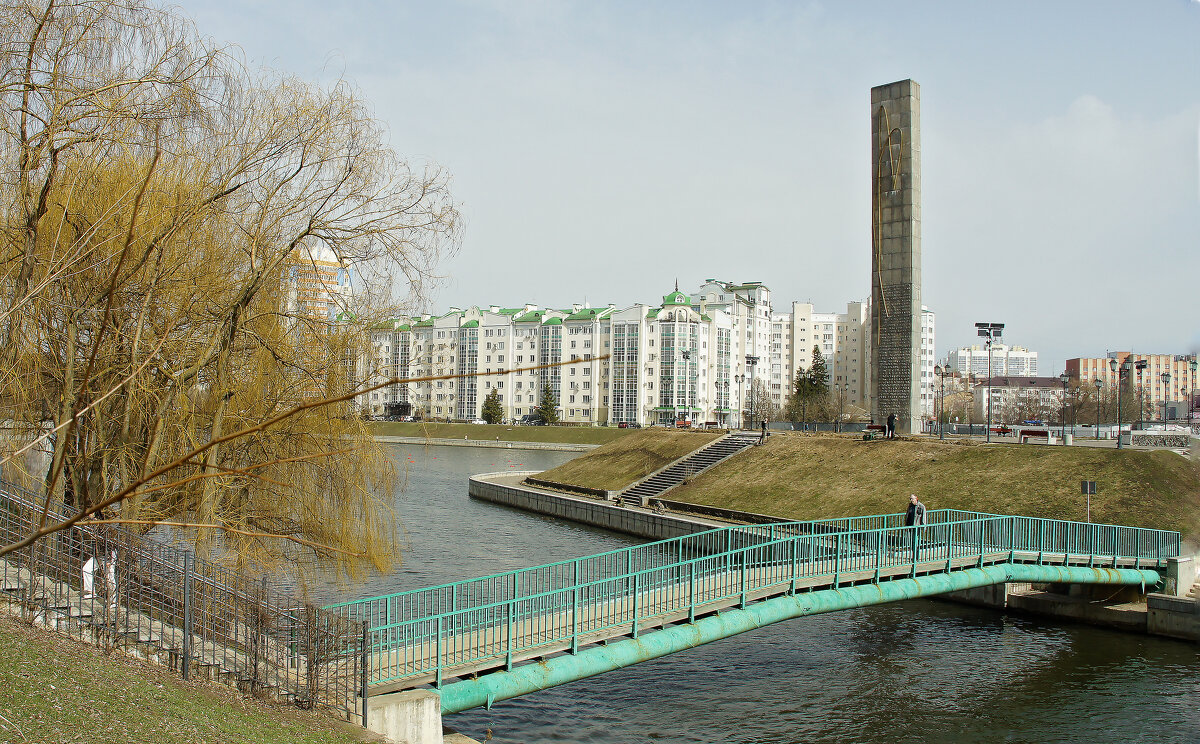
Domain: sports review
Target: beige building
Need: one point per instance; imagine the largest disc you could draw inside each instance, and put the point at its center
(1181, 369)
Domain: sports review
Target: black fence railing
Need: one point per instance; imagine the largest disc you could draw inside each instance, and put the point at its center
(110, 586)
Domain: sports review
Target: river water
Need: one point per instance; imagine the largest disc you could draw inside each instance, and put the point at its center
(909, 672)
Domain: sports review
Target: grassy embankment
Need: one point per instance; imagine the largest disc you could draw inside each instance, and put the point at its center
(561, 434)
(811, 477)
(620, 463)
(59, 690)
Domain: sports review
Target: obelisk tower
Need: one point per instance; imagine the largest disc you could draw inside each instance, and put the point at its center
(896, 253)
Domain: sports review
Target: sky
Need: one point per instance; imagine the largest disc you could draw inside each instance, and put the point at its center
(600, 151)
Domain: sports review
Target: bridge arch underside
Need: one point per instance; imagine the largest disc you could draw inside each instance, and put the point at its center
(484, 689)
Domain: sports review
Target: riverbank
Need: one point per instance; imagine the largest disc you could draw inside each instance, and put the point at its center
(806, 476)
(489, 443)
(593, 435)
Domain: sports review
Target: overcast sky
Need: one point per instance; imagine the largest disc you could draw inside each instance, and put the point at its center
(600, 150)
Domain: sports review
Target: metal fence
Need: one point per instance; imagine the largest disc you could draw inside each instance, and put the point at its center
(419, 635)
(112, 587)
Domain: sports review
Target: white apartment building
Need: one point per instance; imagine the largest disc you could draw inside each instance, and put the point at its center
(689, 358)
(1008, 361)
(1018, 398)
(928, 362)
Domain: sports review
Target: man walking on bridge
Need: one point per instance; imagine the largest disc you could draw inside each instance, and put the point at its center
(914, 517)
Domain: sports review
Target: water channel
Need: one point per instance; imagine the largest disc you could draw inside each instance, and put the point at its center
(911, 672)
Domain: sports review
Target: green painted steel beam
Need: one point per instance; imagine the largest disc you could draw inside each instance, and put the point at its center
(492, 688)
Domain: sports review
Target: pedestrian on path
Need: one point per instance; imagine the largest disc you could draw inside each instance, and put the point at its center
(891, 426)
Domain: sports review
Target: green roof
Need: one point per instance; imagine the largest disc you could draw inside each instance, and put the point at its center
(554, 321)
(471, 324)
(424, 323)
(676, 298)
(511, 310)
(590, 313)
(652, 313)
(533, 316)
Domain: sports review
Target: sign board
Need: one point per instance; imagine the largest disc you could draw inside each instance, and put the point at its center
(1087, 488)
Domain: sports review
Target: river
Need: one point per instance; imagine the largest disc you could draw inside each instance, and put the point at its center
(918, 671)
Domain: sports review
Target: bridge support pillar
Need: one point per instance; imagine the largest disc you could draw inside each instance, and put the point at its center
(408, 717)
(1180, 575)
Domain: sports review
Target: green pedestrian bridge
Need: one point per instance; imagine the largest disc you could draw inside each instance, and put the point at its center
(492, 638)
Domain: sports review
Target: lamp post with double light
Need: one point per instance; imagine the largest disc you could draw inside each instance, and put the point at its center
(1064, 378)
(1166, 382)
(1099, 387)
(739, 380)
(992, 332)
(1140, 365)
(751, 362)
(1122, 370)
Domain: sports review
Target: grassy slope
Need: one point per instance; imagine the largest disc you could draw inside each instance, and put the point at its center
(567, 434)
(809, 477)
(619, 463)
(60, 690)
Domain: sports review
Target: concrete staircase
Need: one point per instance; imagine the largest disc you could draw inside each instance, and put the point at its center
(658, 483)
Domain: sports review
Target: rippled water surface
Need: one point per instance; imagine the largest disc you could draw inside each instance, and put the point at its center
(908, 672)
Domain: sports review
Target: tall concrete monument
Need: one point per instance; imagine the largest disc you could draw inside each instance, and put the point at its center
(896, 253)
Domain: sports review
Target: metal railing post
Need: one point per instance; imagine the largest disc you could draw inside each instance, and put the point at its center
(692, 593)
(185, 661)
(635, 605)
(980, 564)
(1041, 539)
(437, 683)
(837, 559)
(795, 564)
(512, 608)
(575, 608)
(1012, 538)
(366, 660)
(880, 536)
(743, 580)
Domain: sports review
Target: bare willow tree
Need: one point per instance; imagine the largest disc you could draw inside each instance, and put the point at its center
(166, 213)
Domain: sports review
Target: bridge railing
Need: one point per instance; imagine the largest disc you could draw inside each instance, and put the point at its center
(498, 618)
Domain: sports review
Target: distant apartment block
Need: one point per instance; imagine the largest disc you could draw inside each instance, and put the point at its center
(684, 358)
(1183, 382)
(1008, 361)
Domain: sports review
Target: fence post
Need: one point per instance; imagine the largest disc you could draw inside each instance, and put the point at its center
(512, 607)
(366, 660)
(743, 579)
(575, 607)
(438, 681)
(185, 661)
(837, 559)
(692, 592)
(1012, 538)
(635, 606)
(981, 526)
(795, 564)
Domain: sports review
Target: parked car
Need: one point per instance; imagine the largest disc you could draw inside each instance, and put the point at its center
(478, 421)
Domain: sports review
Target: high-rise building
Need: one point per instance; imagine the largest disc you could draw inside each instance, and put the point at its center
(1182, 381)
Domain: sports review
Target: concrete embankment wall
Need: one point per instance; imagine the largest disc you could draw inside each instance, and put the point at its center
(489, 443)
(505, 488)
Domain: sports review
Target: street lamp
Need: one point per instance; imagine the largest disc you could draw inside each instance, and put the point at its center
(1064, 378)
(751, 361)
(739, 380)
(941, 373)
(1139, 365)
(1122, 371)
(992, 332)
(1166, 381)
(1099, 385)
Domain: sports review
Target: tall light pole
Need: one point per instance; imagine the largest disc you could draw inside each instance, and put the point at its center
(992, 332)
(1122, 370)
(1064, 378)
(941, 373)
(1166, 381)
(1139, 365)
(740, 380)
(751, 362)
(1099, 386)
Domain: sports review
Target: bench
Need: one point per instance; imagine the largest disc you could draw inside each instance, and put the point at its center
(872, 429)
(1001, 430)
(1027, 434)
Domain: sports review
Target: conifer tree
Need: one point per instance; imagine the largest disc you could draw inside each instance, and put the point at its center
(493, 412)
(547, 406)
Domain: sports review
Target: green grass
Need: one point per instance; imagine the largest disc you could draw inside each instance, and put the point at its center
(620, 463)
(812, 477)
(559, 434)
(60, 690)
